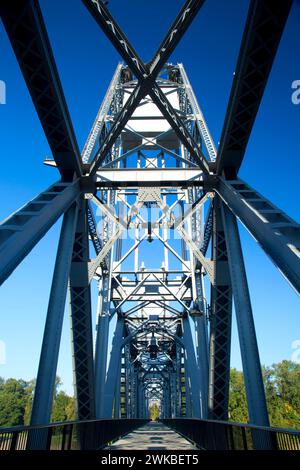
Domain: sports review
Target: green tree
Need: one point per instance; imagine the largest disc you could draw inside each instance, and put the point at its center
(287, 378)
(16, 398)
(154, 411)
(282, 385)
(71, 409)
(63, 408)
(29, 399)
(12, 402)
(237, 407)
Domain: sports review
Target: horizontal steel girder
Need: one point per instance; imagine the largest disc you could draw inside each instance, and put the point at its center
(153, 176)
(264, 28)
(26, 30)
(20, 232)
(278, 234)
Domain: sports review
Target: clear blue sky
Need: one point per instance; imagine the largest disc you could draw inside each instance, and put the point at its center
(86, 62)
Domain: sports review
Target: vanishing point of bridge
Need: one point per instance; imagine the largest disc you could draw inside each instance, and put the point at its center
(149, 212)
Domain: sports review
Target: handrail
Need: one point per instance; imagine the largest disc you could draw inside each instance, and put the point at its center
(226, 435)
(83, 435)
(244, 425)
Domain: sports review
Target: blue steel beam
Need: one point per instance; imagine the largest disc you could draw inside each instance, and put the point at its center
(147, 84)
(114, 33)
(20, 232)
(26, 30)
(81, 320)
(277, 234)
(43, 394)
(257, 407)
(264, 27)
(181, 23)
(202, 352)
(113, 370)
(191, 370)
(101, 348)
(220, 321)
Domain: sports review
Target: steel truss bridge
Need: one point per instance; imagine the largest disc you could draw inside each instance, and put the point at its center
(150, 209)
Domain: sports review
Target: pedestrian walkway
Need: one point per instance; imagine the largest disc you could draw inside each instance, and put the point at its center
(152, 436)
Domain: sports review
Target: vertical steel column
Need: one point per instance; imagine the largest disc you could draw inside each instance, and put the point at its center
(173, 393)
(134, 398)
(81, 320)
(191, 368)
(144, 408)
(178, 381)
(258, 413)
(202, 347)
(101, 347)
(43, 394)
(220, 326)
(117, 402)
(187, 393)
(169, 396)
(127, 381)
(113, 372)
(139, 398)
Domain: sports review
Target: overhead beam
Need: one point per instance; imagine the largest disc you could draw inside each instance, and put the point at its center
(26, 30)
(277, 234)
(158, 176)
(175, 34)
(119, 124)
(264, 27)
(20, 232)
(178, 125)
(147, 84)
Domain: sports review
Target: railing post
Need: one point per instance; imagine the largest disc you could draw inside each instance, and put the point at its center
(49, 437)
(14, 440)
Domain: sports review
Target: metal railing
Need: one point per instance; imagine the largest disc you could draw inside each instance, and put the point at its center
(77, 435)
(223, 435)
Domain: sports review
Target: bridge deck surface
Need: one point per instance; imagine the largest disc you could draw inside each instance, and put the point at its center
(152, 436)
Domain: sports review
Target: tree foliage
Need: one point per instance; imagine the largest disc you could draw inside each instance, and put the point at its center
(237, 407)
(16, 398)
(282, 386)
(63, 408)
(282, 383)
(13, 398)
(154, 411)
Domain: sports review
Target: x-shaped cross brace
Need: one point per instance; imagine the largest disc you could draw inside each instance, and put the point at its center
(146, 75)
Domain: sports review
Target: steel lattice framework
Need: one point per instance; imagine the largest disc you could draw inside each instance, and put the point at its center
(150, 170)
